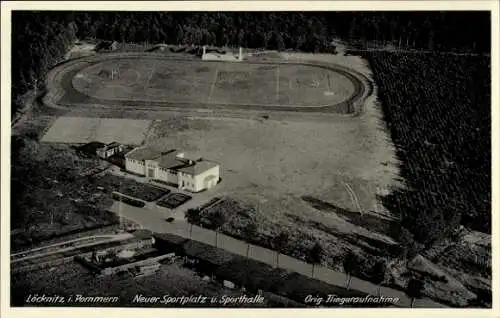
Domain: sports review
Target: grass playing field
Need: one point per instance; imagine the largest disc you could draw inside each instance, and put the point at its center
(156, 82)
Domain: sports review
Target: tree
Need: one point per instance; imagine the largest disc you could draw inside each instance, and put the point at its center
(409, 248)
(193, 216)
(279, 243)
(352, 29)
(180, 35)
(414, 289)
(249, 231)
(218, 220)
(275, 41)
(350, 264)
(315, 255)
(378, 274)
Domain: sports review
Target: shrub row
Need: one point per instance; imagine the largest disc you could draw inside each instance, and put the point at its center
(127, 200)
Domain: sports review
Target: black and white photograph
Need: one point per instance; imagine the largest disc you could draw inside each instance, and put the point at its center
(248, 158)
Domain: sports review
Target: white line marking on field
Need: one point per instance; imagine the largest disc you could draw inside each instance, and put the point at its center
(150, 76)
(212, 87)
(354, 197)
(137, 77)
(277, 82)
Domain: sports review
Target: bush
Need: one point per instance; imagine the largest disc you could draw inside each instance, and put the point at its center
(174, 200)
(131, 187)
(193, 216)
(127, 200)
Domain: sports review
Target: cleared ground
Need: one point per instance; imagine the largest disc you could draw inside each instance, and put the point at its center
(304, 158)
(106, 130)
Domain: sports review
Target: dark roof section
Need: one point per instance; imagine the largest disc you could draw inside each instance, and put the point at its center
(91, 147)
(143, 153)
(170, 238)
(111, 145)
(169, 160)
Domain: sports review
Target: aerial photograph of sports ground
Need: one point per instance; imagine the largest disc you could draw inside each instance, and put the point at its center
(251, 159)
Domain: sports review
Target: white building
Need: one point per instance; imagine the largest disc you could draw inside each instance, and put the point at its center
(171, 167)
(109, 150)
(228, 57)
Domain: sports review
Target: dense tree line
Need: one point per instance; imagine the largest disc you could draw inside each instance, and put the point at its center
(438, 110)
(40, 39)
(308, 31)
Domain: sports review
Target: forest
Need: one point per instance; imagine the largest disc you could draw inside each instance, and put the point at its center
(41, 38)
(438, 111)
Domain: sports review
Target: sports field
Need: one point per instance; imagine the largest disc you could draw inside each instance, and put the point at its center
(152, 81)
(214, 82)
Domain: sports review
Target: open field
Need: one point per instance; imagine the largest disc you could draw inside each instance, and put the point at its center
(105, 130)
(269, 166)
(214, 82)
(299, 158)
(156, 81)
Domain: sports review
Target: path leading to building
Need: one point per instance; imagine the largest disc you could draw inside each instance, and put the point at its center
(154, 220)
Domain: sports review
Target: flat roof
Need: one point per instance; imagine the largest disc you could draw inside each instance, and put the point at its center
(143, 153)
(171, 160)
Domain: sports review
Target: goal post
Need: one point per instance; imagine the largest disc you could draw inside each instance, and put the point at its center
(115, 73)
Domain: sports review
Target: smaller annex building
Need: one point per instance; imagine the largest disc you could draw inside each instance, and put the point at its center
(109, 150)
(171, 167)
